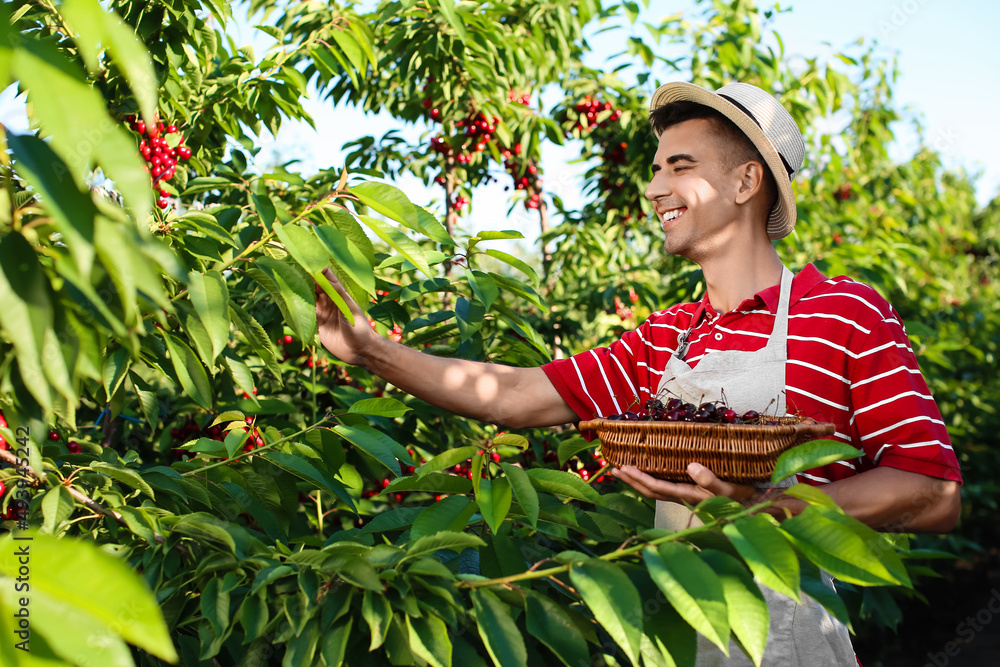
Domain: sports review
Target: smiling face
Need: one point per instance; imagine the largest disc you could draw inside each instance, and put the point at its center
(701, 204)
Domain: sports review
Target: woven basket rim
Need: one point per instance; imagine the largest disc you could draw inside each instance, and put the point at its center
(735, 452)
(811, 426)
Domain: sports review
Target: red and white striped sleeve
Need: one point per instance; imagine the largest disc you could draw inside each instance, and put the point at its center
(895, 418)
(601, 381)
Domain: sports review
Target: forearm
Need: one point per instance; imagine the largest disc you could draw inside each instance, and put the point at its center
(511, 396)
(892, 500)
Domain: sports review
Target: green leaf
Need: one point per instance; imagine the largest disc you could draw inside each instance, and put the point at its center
(401, 517)
(483, 286)
(377, 613)
(97, 28)
(57, 506)
(27, 312)
(810, 494)
(72, 114)
(301, 244)
(564, 483)
(125, 476)
(746, 607)
(256, 336)
(253, 617)
(826, 596)
(72, 208)
(470, 316)
(571, 447)
(307, 471)
(549, 624)
(147, 397)
(429, 639)
(389, 201)
(379, 407)
(454, 19)
(515, 262)
(448, 514)
(334, 643)
(843, 546)
(613, 600)
(348, 257)
(399, 242)
(190, 371)
(291, 290)
(447, 459)
(234, 441)
(692, 588)
(210, 298)
(434, 482)
(453, 540)
(494, 500)
(240, 372)
(374, 443)
(59, 631)
(813, 454)
(215, 607)
(206, 224)
(498, 631)
(525, 493)
(513, 440)
(116, 366)
(111, 594)
(770, 557)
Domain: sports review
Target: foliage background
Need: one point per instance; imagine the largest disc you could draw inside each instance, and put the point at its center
(168, 325)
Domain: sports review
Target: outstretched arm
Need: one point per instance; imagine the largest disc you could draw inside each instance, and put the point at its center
(886, 499)
(507, 395)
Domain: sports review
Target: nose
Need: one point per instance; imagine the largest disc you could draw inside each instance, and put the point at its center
(658, 186)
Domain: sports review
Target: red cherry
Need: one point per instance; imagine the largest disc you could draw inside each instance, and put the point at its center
(287, 339)
(2, 489)
(183, 152)
(162, 202)
(3, 422)
(427, 102)
(140, 127)
(54, 435)
(73, 446)
(171, 129)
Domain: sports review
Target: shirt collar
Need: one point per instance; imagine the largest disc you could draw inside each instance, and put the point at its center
(802, 283)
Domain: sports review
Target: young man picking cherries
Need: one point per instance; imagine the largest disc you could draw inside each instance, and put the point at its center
(827, 348)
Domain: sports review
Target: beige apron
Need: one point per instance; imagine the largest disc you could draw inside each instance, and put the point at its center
(806, 634)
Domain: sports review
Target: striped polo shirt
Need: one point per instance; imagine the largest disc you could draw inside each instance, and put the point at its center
(849, 363)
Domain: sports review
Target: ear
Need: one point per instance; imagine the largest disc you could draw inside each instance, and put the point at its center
(751, 181)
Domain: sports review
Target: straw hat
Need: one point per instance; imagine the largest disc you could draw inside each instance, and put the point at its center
(768, 125)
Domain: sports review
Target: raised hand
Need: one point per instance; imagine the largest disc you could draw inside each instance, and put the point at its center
(349, 343)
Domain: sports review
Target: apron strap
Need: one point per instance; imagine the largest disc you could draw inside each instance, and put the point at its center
(779, 333)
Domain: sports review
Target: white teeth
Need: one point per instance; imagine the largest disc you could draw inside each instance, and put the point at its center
(670, 215)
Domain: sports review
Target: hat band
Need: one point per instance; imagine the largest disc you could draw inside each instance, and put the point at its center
(749, 115)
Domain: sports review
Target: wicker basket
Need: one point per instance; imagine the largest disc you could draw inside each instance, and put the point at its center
(743, 453)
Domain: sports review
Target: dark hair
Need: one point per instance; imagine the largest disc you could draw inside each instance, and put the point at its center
(735, 146)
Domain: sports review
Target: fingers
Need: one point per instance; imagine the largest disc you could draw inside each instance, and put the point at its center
(327, 296)
(707, 480)
(706, 484)
(659, 489)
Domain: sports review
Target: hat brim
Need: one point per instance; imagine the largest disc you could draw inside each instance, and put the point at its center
(781, 220)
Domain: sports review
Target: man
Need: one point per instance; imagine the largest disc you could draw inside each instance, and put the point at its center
(831, 349)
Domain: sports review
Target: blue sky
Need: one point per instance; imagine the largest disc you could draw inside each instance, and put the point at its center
(949, 64)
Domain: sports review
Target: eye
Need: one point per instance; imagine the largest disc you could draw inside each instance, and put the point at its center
(676, 169)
